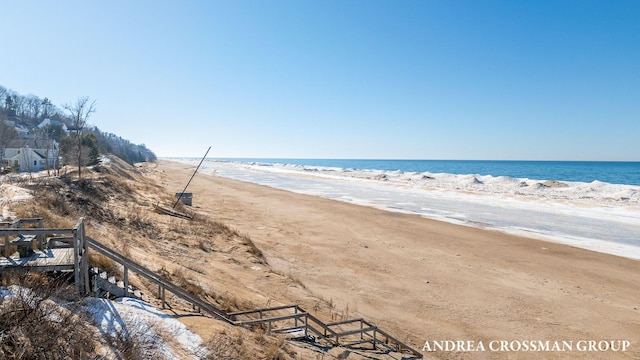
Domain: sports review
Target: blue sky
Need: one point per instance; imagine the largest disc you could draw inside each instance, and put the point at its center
(530, 80)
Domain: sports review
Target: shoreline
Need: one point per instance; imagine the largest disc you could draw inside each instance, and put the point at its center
(423, 279)
(436, 166)
(608, 228)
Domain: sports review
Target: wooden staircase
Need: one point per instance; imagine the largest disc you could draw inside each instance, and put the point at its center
(290, 320)
(294, 321)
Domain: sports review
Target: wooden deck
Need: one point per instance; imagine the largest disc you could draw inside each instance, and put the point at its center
(40, 260)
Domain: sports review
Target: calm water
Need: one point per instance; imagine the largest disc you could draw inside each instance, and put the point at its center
(582, 171)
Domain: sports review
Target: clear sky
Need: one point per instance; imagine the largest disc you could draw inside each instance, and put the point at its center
(428, 79)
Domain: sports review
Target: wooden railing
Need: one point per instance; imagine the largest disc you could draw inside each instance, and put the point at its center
(305, 323)
(162, 282)
(290, 319)
(80, 255)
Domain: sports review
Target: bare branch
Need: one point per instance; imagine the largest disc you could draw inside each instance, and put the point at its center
(80, 113)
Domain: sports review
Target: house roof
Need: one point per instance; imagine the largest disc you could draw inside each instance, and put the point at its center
(39, 153)
(21, 128)
(46, 122)
(30, 143)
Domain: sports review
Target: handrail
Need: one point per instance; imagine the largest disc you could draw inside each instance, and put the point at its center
(324, 330)
(323, 326)
(319, 328)
(160, 280)
(271, 319)
(34, 231)
(344, 322)
(21, 221)
(329, 334)
(246, 312)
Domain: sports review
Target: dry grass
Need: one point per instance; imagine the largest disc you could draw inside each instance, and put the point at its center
(239, 345)
(105, 264)
(180, 278)
(30, 317)
(51, 218)
(227, 347)
(118, 208)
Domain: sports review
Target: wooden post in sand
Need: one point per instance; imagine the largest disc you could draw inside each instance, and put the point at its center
(161, 293)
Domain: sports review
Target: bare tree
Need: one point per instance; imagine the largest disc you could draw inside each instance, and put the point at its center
(3, 92)
(20, 106)
(80, 112)
(46, 108)
(33, 108)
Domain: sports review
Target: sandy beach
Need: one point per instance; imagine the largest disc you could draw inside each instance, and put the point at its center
(424, 280)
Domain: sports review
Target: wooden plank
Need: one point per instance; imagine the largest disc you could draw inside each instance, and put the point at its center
(57, 258)
(34, 231)
(166, 211)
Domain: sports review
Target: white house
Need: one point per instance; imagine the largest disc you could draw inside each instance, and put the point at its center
(31, 155)
(49, 122)
(23, 132)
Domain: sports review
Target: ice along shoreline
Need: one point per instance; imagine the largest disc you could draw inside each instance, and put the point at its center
(596, 216)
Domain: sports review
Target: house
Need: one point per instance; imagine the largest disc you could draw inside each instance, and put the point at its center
(31, 155)
(22, 130)
(49, 122)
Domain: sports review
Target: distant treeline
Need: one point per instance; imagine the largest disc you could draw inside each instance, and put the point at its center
(28, 111)
(122, 148)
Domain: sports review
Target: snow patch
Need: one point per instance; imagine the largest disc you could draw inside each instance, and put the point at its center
(134, 319)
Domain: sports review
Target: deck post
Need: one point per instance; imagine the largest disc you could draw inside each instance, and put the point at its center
(80, 260)
(41, 236)
(76, 259)
(5, 250)
(84, 264)
(6, 246)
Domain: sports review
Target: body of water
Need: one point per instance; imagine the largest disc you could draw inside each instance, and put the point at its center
(584, 171)
(593, 205)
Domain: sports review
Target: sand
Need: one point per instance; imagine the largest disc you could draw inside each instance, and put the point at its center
(425, 280)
